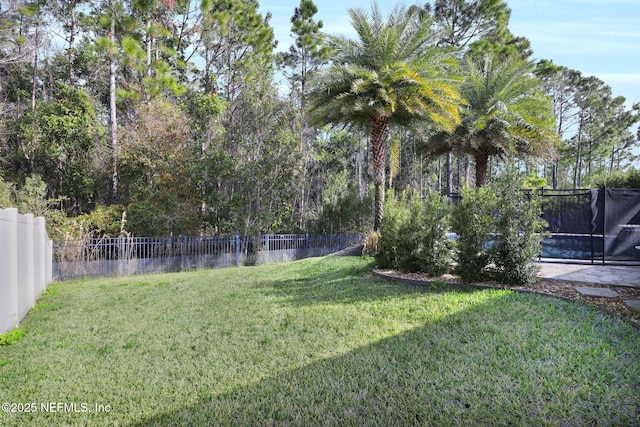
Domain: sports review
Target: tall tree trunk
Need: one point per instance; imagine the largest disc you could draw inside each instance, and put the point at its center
(112, 105)
(34, 82)
(72, 38)
(578, 164)
(578, 167)
(449, 167)
(439, 174)
(613, 157)
(467, 171)
(482, 161)
(360, 166)
(379, 136)
(148, 43)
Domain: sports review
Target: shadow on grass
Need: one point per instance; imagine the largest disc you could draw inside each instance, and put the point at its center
(346, 284)
(501, 362)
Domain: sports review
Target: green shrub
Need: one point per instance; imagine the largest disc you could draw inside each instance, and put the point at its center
(395, 216)
(473, 221)
(519, 226)
(409, 236)
(627, 179)
(414, 234)
(429, 228)
(6, 193)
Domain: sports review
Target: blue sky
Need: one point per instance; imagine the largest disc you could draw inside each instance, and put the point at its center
(596, 37)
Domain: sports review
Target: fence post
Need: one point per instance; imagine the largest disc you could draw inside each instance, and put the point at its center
(39, 241)
(604, 224)
(184, 253)
(9, 270)
(306, 244)
(122, 255)
(267, 256)
(237, 250)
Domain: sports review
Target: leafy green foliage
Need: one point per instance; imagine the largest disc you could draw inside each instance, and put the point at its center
(157, 172)
(464, 21)
(629, 179)
(518, 227)
(12, 337)
(499, 232)
(596, 127)
(390, 245)
(163, 213)
(102, 221)
(57, 141)
(343, 210)
(507, 111)
(533, 181)
(429, 226)
(309, 52)
(32, 198)
(229, 153)
(6, 193)
(394, 73)
(415, 237)
(473, 222)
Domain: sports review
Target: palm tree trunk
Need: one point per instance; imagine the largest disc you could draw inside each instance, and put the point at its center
(482, 161)
(379, 136)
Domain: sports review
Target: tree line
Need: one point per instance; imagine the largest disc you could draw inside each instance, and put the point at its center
(186, 117)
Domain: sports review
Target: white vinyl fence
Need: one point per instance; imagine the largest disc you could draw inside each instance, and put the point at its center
(25, 265)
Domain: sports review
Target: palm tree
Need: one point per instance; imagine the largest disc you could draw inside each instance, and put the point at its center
(392, 74)
(507, 112)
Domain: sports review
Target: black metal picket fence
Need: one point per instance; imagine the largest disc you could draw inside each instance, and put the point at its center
(123, 256)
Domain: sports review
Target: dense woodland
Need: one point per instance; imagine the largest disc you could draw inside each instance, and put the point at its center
(179, 117)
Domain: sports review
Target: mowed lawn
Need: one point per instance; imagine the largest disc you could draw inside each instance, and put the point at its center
(314, 342)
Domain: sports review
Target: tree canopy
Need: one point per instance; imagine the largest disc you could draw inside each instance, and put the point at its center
(507, 112)
(394, 74)
(187, 117)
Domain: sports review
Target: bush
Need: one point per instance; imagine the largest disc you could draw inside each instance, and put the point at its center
(429, 228)
(519, 226)
(628, 179)
(473, 221)
(414, 234)
(6, 194)
(395, 216)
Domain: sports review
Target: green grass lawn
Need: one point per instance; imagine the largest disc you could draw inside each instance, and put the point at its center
(315, 342)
